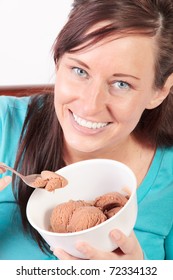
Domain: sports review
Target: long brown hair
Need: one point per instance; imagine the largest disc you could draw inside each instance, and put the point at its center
(41, 142)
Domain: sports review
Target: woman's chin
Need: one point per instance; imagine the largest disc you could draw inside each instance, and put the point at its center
(82, 146)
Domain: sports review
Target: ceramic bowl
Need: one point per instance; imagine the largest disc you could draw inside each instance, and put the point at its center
(87, 180)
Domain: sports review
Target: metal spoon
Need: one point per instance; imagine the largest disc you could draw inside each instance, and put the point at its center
(29, 179)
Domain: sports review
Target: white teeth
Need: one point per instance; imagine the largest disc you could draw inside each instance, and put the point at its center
(89, 124)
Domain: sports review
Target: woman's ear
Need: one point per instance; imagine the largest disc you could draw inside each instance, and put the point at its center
(160, 94)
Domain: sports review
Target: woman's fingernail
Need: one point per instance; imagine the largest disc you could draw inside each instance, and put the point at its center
(116, 235)
(7, 179)
(60, 254)
(81, 247)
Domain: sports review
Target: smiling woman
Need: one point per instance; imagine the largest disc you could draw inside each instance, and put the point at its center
(102, 93)
(112, 99)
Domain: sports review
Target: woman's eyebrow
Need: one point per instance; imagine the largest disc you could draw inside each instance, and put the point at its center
(125, 75)
(115, 75)
(79, 62)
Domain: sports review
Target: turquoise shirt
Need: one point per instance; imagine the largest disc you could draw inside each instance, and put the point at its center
(14, 244)
(154, 225)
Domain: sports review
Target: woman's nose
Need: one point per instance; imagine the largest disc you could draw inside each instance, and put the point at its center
(95, 98)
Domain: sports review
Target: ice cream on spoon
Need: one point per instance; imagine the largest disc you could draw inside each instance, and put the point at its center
(50, 181)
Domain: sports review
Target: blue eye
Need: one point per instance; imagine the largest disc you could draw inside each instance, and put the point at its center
(80, 72)
(122, 85)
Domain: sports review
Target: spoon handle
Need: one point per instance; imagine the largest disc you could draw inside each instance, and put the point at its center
(11, 169)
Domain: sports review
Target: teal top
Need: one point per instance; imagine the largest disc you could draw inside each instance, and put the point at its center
(154, 225)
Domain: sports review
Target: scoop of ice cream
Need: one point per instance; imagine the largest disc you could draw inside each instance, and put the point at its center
(50, 181)
(85, 217)
(62, 213)
(110, 200)
(39, 183)
(110, 213)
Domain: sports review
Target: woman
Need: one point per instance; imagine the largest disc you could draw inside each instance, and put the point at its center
(112, 99)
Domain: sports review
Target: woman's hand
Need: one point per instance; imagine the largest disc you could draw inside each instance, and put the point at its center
(6, 180)
(129, 249)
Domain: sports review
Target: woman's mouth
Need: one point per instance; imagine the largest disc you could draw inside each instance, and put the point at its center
(89, 124)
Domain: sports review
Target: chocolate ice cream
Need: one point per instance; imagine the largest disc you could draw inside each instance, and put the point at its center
(110, 203)
(85, 217)
(62, 214)
(78, 215)
(49, 181)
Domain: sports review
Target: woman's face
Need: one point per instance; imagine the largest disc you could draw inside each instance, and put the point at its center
(101, 92)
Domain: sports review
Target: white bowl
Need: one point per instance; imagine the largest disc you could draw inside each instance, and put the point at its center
(87, 180)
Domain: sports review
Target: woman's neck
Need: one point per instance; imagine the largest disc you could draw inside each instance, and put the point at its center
(135, 155)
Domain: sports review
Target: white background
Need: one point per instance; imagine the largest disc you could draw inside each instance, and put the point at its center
(28, 29)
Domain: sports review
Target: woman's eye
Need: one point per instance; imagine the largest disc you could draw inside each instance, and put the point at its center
(121, 85)
(80, 72)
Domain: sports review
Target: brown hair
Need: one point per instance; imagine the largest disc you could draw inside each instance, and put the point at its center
(41, 143)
